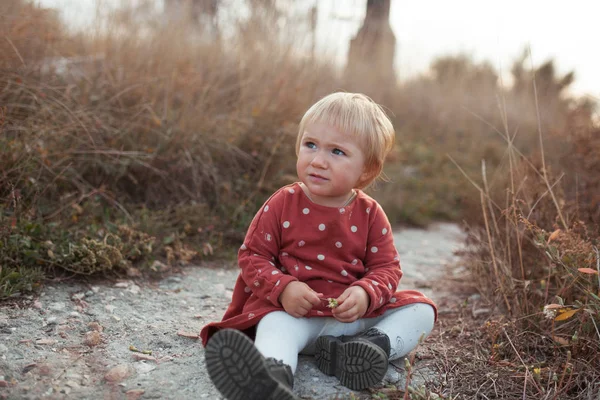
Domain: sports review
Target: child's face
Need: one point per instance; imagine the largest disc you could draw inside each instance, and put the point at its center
(330, 164)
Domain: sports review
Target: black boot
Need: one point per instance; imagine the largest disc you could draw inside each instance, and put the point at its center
(240, 372)
(280, 371)
(358, 361)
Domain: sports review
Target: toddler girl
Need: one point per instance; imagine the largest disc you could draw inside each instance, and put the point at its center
(319, 272)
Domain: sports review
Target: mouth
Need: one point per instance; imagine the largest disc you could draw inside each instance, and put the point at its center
(318, 177)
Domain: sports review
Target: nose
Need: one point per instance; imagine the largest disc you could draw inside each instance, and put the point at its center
(318, 161)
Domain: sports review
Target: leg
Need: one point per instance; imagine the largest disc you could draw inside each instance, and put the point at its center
(406, 327)
(281, 336)
(240, 372)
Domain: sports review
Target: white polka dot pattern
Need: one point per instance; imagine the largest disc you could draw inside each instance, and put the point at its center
(274, 272)
(292, 191)
(308, 267)
(321, 257)
(353, 228)
(322, 227)
(374, 249)
(268, 237)
(384, 231)
(393, 300)
(243, 247)
(286, 224)
(301, 243)
(344, 272)
(338, 245)
(305, 211)
(247, 289)
(266, 208)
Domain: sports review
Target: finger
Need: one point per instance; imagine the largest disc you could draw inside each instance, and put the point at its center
(342, 297)
(345, 306)
(305, 304)
(313, 298)
(347, 313)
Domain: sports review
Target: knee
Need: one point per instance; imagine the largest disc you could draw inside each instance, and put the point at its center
(275, 321)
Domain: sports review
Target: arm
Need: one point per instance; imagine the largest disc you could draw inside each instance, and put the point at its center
(258, 255)
(381, 261)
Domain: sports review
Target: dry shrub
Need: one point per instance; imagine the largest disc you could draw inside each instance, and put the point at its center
(534, 253)
(148, 118)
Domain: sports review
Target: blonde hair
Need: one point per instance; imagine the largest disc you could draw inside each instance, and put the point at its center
(359, 116)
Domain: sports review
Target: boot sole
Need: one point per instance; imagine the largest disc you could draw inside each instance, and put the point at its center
(358, 365)
(238, 369)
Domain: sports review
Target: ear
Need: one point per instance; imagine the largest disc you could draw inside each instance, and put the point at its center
(366, 176)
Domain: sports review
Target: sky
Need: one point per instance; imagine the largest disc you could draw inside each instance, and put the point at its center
(496, 31)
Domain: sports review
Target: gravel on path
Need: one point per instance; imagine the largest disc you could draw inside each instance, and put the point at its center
(79, 340)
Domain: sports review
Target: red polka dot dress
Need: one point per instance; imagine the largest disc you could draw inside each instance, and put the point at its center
(291, 238)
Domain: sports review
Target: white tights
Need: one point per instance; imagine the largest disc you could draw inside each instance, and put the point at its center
(281, 336)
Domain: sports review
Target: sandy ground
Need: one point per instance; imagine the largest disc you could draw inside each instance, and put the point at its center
(74, 340)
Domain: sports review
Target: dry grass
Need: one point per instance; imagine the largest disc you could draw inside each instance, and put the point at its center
(152, 142)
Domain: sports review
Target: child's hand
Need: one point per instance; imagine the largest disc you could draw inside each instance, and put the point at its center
(298, 299)
(354, 303)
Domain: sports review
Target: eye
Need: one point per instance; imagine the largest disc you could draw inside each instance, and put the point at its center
(338, 152)
(310, 145)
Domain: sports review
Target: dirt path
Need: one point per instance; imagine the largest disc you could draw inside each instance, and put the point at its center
(73, 341)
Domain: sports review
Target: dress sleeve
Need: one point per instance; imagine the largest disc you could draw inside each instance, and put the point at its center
(258, 255)
(382, 264)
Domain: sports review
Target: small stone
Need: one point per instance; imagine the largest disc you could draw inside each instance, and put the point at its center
(74, 314)
(134, 394)
(3, 383)
(45, 341)
(51, 321)
(143, 368)
(122, 285)
(37, 304)
(95, 326)
(89, 293)
(92, 338)
(72, 384)
(110, 308)
(135, 289)
(44, 369)
(119, 373)
(57, 306)
(78, 296)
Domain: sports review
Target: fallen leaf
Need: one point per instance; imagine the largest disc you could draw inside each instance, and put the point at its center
(145, 357)
(134, 394)
(554, 235)
(553, 306)
(587, 271)
(560, 340)
(566, 315)
(190, 335)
